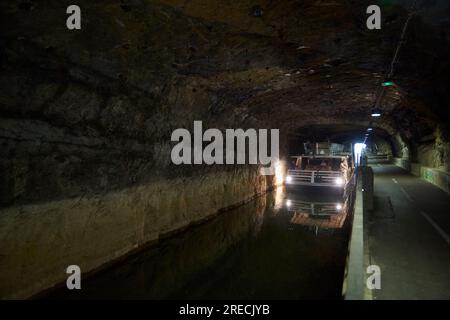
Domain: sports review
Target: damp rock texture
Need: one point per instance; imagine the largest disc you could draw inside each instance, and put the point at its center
(92, 110)
(86, 115)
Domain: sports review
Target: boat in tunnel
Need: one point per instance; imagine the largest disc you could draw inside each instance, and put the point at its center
(225, 158)
(326, 166)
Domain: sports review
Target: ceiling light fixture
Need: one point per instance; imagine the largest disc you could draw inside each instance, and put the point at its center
(376, 112)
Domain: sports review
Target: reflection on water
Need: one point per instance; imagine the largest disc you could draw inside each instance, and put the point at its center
(262, 250)
(321, 212)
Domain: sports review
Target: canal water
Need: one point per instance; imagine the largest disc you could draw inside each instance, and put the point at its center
(283, 245)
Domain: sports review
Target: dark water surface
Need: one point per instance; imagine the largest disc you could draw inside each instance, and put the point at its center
(270, 248)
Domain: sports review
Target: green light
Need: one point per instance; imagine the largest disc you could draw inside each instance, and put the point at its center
(387, 84)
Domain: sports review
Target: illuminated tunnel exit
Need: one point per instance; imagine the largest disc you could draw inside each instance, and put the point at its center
(358, 151)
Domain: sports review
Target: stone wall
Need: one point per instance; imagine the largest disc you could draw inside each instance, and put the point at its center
(403, 163)
(39, 241)
(434, 153)
(85, 130)
(401, 148)
(435, 176)
(190, 252)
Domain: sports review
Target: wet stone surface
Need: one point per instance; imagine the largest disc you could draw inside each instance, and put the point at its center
(257, 251)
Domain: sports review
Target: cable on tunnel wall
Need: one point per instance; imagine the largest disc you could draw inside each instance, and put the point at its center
(381, 91)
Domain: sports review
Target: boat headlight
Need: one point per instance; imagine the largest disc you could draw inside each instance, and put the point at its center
(339, 181)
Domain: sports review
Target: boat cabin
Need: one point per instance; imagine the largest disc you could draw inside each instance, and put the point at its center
(321, 170)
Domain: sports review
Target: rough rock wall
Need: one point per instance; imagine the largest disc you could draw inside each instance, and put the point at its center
(85, 127)
(435, 153)
(92, 111)
(92, 231)
(442, 150)
(189, 253)
(380, 145)
(401, 147)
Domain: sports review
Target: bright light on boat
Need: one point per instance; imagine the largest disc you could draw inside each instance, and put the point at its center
(288, 179)
(279, 173)
(339, 181)
(338, 206)
(288, 203)
(279, 198)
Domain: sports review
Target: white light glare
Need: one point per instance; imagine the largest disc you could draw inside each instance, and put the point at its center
(288, 179)
(358, 148)
(279, 173)
(288, 203)
(338, 206)
(339, 181)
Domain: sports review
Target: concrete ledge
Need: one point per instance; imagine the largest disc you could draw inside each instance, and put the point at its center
(379, 160)
(437, 177)
(354, 287)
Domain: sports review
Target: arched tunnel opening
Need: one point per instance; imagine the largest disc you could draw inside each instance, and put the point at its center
(376, 139)
(164, 149)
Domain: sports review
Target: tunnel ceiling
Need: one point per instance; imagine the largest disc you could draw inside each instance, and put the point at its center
(339, 133)
(282, 64)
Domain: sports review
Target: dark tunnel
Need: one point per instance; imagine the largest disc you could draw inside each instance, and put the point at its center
(135, 150)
